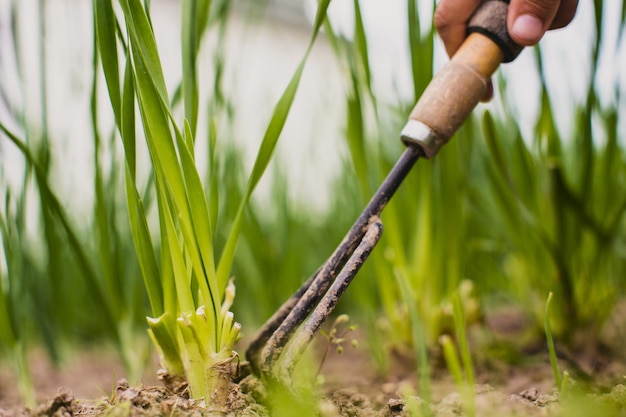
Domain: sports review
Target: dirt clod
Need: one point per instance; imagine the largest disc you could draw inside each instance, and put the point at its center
(531, 394)
(349, 390)
(63, 405)
(351, 403)
(395, 405)
(175, 383)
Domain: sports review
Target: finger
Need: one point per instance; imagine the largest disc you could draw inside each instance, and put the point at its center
(528, 20)
(565, 14)
(451, 17)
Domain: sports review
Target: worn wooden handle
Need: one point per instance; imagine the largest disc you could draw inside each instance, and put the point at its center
(463, 82)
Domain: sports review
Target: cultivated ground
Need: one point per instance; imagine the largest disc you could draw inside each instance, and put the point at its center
(509, 383)
(351, 387)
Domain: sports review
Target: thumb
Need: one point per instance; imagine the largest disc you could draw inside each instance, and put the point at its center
(528, 20)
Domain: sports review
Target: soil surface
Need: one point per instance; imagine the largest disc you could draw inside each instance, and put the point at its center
(91, 385)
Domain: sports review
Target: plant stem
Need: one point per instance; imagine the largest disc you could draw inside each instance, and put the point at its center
(551, 350)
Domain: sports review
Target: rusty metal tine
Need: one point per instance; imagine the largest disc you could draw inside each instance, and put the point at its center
(323, 310)
(270, 326)
(315, 288)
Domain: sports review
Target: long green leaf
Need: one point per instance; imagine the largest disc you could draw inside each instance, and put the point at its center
(189, 51)
(53, 204)
(164, 156)
(104, 219)
(143, 245)
(144, 43)
(138, 219)
(274, 129)
(155, 116)
(414, 45)
(8, 336)
(360, 41)
(420, 49)
(105, 24)
(127, 123)
(200, 217)
(181, 273)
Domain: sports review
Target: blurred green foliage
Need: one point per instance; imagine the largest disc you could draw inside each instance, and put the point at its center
(517, 210)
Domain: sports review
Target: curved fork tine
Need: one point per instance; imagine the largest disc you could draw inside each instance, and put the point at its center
(269, 342)
(263, 335)
(303, 337)
(276, 332)
(307, 302)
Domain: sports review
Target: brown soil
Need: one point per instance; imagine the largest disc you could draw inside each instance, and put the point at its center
(90, 385)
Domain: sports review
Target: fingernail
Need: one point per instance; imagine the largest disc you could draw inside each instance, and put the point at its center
(528, 29)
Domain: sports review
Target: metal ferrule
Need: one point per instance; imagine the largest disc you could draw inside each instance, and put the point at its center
(416, 133)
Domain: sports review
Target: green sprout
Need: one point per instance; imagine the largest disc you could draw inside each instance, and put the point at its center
(336, 337)
(561, 380)
(462, 369)
(189, 290)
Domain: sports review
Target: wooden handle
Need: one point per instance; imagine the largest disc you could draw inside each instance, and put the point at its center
(461, 84)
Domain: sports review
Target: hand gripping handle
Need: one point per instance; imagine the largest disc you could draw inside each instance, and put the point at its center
(463, 82)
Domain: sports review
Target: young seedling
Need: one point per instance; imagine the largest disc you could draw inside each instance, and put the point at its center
(462, 370)
(188, 288)
(561, 380)
(336, 337)
(191, 324)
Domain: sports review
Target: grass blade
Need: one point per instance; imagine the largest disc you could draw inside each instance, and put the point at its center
(551, 350)
(421, 50)
(142, 38)
(272, 133)
(105, 22)
(143, 245)
(53, 204)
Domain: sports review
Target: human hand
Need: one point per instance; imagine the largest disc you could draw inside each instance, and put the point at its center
(527, 20)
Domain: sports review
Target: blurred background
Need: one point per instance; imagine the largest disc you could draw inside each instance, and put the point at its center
(527, 199)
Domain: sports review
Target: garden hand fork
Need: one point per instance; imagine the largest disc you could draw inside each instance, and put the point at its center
(445, 104)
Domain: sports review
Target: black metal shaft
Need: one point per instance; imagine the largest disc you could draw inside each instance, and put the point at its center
(443, 107)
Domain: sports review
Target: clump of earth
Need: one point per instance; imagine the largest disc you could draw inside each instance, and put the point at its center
(350, 387)
(347, 402)
(346, 385)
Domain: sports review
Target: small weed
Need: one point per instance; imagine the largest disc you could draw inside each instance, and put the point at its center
(561, 380)
(336, 338)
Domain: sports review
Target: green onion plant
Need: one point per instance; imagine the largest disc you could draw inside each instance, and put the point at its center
(12, 313)
(462, 369)
(426, 223)
(556, 197)
(517, 208)
(56, 289)
(187, 283)
(517, 211)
